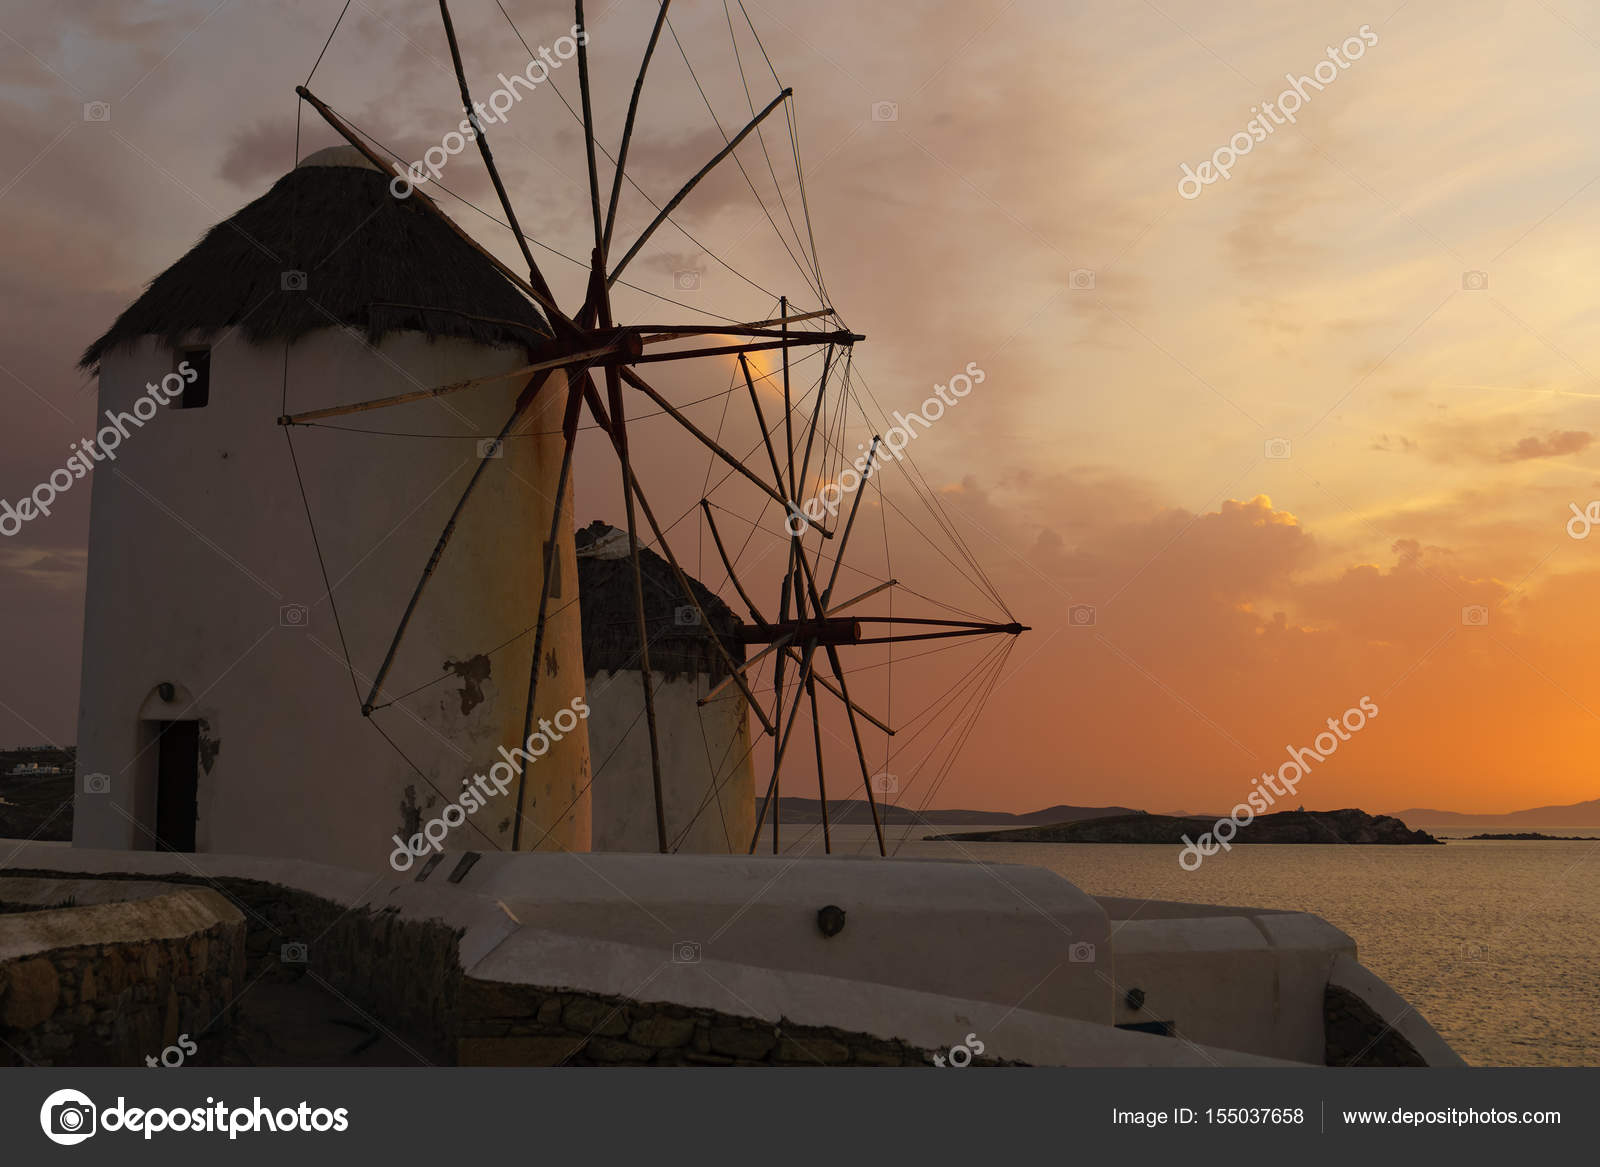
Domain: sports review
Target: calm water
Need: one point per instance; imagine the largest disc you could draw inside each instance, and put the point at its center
(1497, 943)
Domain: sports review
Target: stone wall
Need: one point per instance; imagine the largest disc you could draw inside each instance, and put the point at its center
(519, 1025)
(112, 984)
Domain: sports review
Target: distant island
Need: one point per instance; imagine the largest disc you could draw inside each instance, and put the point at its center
(1290, 826)
(1574, 815)
(1531, 836)
(854, 812)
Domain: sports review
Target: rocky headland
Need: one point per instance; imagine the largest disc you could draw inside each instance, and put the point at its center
(1290, 826)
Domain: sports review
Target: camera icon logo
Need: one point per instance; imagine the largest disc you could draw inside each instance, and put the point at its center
(1081, 615)
(294, 616)
(97, 783)
(1474, 281)
(1081, 953)
(686, 280)
(1277, 449)
(1080, 279)
(491, 448)
(293, 953)
(686, 617)
(885, 111)
(885, 784)
(1475, 616)
(97, 111)
(686, 952)
(68, 1117)
(293, 281)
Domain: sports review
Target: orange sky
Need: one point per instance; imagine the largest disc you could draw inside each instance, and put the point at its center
(1117, 453)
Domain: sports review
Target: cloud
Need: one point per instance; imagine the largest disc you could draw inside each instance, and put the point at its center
(1554, 445)
(1399, 443)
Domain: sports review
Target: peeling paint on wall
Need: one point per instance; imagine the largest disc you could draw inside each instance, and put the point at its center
(473, 673)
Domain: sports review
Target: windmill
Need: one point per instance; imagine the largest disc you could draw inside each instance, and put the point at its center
(809, 626)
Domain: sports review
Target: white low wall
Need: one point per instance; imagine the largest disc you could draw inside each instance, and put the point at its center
(1016, 936)
(1253, 983)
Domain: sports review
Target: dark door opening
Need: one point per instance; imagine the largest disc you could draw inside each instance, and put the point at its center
(177, 784)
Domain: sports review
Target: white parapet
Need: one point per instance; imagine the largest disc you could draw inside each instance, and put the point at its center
(1016, 936)
(1250, 979)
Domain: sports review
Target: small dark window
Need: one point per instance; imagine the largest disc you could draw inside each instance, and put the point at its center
(196, 395)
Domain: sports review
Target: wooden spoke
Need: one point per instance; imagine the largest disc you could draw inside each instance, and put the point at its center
(710, 443)
(586, 356)
(788, 403)
(728, 350)
(672, 204)
(942, 622)
(1008, 629)
(754, 328)
(777, 678)
(745, 668)
(839, 693)
(766, 438)
(588, 142)
(854, 600)
(816, 414)
(627, 129)
(770, 802)
(855, 505)
(534, 275)
(855, 736)
(792, 318)
(716, 537)
(822, 782)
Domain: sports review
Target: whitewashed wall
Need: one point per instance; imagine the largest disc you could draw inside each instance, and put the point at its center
(707, 771)
(200, 549)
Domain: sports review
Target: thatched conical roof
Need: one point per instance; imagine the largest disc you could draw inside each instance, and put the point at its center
(610, 622)
(333, 218)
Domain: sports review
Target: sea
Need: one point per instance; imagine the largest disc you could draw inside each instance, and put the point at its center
(1496, 943)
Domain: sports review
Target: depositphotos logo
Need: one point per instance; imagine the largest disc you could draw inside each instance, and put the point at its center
(68, 1117)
